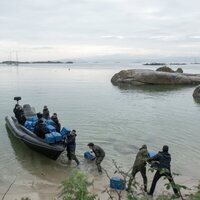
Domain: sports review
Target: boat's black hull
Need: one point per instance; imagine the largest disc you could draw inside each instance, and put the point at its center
(31, 140)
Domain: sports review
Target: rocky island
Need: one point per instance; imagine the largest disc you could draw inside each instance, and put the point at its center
(35, 62)
(160, 77)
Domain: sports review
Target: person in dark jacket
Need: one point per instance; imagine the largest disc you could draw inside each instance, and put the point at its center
(54, 118)
(19, 114)
(40, 128)
(71, 146)
(162, 165)
(39, 115)
(140, 166)
(15, 110)
(22, 119)
(99, 153)
(45, 113)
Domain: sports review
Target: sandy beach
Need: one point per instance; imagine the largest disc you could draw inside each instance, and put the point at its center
(38, 189)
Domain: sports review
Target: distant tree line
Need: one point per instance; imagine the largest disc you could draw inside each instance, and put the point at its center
(35, 62)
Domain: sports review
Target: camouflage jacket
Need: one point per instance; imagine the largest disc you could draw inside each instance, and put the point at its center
(141, 156)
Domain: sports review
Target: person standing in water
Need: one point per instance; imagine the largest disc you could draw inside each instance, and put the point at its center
(71, 146)
(99, 153)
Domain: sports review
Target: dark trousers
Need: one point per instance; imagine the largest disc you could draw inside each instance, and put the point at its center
(71, 155)
(135, 170)
(157, 176)
(98, 162)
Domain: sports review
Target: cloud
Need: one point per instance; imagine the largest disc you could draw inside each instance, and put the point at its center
(42, 48)
(195, 36)
(112, 37)
(118, 25)
(168, 38)
(190, 46)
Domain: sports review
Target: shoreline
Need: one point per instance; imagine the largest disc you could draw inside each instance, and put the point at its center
(36, 188)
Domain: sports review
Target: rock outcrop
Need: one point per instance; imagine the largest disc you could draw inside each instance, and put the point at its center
(168, 69)
(165, 69)
(196, 93)
(147, 76)
(179, 70)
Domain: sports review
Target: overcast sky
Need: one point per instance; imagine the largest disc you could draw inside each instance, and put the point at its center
(65, 29)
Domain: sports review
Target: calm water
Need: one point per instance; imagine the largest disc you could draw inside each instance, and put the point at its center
(120, 119)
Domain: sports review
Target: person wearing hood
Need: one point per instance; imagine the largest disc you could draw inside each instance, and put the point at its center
(161, 162)
(139, 166)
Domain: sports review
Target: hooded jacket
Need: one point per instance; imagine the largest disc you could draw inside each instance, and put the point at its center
(163, 158)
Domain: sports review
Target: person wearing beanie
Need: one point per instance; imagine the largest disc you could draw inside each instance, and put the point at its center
(139, 166)
(99, 153)
(163, 159)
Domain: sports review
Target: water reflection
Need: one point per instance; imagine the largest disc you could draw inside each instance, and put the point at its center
(36, 163)
(152, 88)
(196, 100)
(21, 150)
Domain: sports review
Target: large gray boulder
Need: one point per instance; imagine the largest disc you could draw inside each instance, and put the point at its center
(196, 93)
(147, 76)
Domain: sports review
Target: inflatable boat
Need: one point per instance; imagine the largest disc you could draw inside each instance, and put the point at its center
(49, 149)
(33, 141)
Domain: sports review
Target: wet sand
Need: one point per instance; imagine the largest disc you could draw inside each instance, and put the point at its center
(34, 189)
(39, 178)
(47, 186)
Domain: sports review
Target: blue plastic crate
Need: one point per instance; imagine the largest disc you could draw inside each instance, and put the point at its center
(65, 131)
(34, 123)
(117, 183)
(88, 155)
(151, 153)
(50, 122)
(51, 128)
(32, 118)
(57, 136)
(49, 138)
(28, 124)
